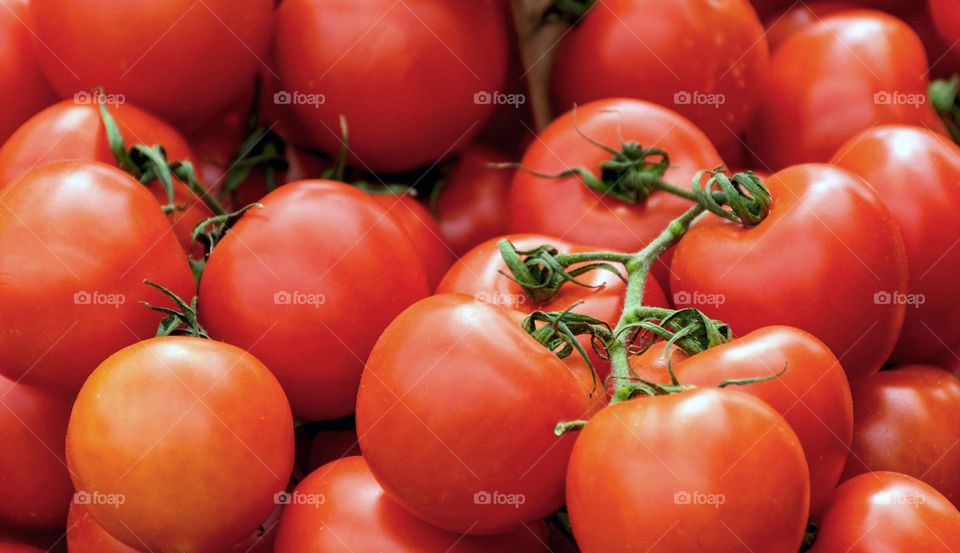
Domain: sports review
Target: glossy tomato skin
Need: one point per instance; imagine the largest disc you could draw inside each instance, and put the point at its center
(79, 239)
(422, 230)
(178, 59)
(401, 115)
(908, 421)
(456, 412)
(322, 270)
(204, 443)
(33, 472)
(357, 515)
(829, 251)
(745, 487)
(887, 157)
(888, 511)
(22, 87)
(568, 209)
(703, 58)
(852, 71)
(472, 206)
(799, 16)
(946, 19)
(68, 130)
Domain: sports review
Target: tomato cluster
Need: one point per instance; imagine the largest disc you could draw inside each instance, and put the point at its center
(424, 276)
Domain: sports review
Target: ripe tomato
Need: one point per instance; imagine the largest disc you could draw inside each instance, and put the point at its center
(784, 25)
(908, 421)
(203, 443)
(946, 19)
(78, 133)
(723, 473)
(78, 240)
(180, 59)
(341, 507)
(311, 268)
(568, 209)
(813, 395)
(33, 473)
(422, 230)
(456, 412)
(852, 71)
(9, 547)
(887, 511)
(703, 58)
(22, 87)
(829, 251)
(472, 205)
(339, 57)
(886, 157)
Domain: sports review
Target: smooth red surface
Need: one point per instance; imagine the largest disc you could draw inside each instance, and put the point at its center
(22, 87)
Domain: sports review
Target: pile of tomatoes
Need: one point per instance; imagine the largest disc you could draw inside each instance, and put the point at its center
(430, 276)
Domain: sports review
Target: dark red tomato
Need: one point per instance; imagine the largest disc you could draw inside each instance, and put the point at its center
(8, 547)
(78, 240)
(784, 25)
(908, 421)
(813, 395)
(823, 260)
(887, 157)
(568, 209)
(887, 511)
(33, 472)
(330, 445)
(22, 87)
(472, 206)
(724, 472)
(322, 270)
(204, 444)
(456, 412)
(422, 230)
(946, 17)
(70, 130)
(944, 56)
(182, 60)
(339, 57)
(852, 71)
(341, 508)
(706, 59)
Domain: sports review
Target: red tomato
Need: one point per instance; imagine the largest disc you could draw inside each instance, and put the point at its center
(22, 87)
(946, 18)
(78, 240)
(422, 230)
(204, 443)
(823, 260)
(784, 25)
(322, 270)
(339, 57)
(180, 59)
(456, 412)
(341, 508)
(852, 71)
(813, 395)
(887, 511)
(78, 133)
(725, 473)
(33, 473)
(887, 157)
(8, 547)
(703, 58)
(568, 209)
(472, 206)
(908, 421)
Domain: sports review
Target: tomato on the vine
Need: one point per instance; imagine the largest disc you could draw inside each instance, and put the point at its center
(422, 230)
(702, 470)
(204, 444)
(78, 240)
(307, 284)
(456, 412)
(835, 79)
(22, 87)
(705, 59)
(888, 511)
(887, 157)
(180, 59)
(827, 259)
(341, 507)
(339, 58)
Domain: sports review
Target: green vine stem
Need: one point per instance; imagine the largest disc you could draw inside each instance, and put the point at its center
(178, 322)
(943, 97)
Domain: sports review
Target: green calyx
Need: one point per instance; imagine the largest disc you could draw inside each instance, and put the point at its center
(182, 321)
(943, 97)
(543, 270)
(742, 198)
(565, 11)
